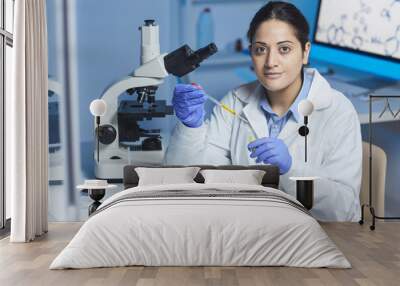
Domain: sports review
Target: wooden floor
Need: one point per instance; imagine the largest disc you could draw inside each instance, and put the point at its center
(374, 255)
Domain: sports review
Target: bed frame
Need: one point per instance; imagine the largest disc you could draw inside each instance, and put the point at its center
(270, 179)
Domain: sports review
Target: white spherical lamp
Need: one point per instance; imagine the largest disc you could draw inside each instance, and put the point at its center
(305, 107)
(98, 107)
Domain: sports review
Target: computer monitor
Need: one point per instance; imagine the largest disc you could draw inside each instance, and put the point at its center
(365, 26)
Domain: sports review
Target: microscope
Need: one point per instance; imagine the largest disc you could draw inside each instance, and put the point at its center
(120, 138)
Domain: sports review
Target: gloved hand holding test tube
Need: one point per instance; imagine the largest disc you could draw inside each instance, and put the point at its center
(231, 111)
(250, 139)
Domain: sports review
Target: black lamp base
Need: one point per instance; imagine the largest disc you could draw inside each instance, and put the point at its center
(305, 193)
(96, 195)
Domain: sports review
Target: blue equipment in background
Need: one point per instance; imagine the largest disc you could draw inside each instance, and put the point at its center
(205, 28)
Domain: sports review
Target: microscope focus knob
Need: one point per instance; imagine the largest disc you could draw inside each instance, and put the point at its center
(107, 134)
(151, 144)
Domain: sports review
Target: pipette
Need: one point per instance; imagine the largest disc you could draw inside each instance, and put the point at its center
(223, 106)
(231, 111)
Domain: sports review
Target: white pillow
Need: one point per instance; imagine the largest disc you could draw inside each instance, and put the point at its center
(248, 177)
(164, 176)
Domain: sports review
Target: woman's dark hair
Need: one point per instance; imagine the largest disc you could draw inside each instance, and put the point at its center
(282, 11)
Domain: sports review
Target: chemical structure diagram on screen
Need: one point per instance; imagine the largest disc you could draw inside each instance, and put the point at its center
(367, 25)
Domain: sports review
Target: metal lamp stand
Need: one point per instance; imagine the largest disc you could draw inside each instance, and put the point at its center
(369, 205)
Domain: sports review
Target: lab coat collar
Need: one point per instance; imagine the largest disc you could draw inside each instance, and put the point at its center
(320, 91)
(292, 112)
(319, 94)
(245, 93)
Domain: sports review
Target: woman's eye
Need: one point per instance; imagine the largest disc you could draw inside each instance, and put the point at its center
(284, 50)
(260, 50)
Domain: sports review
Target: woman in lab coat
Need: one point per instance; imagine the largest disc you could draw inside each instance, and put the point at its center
(279, 47)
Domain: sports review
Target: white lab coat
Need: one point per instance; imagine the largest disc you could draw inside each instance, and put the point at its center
(334, 145)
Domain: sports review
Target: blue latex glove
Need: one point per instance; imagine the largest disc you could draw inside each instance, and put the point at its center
(271, 151)
(188, 102)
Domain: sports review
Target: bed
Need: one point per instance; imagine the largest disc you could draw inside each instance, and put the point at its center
(201, 224)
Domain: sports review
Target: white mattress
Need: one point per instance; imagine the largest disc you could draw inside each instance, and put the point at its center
(200, 231)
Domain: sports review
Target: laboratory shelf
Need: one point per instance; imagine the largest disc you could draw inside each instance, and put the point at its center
(224, 58)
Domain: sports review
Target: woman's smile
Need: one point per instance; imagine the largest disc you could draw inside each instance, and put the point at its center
(272, 75)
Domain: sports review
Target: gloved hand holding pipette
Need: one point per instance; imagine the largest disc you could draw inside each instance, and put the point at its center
(223, 106)
(188, 102)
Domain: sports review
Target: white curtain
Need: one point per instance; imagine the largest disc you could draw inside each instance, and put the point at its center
(27, 123)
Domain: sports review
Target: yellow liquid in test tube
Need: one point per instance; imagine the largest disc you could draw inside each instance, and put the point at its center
(231, 111)
(228, 109)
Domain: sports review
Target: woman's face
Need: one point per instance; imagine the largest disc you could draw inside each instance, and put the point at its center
(277, 55)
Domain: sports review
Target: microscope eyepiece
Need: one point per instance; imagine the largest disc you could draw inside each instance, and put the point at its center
(203, 53)
(184, 60)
